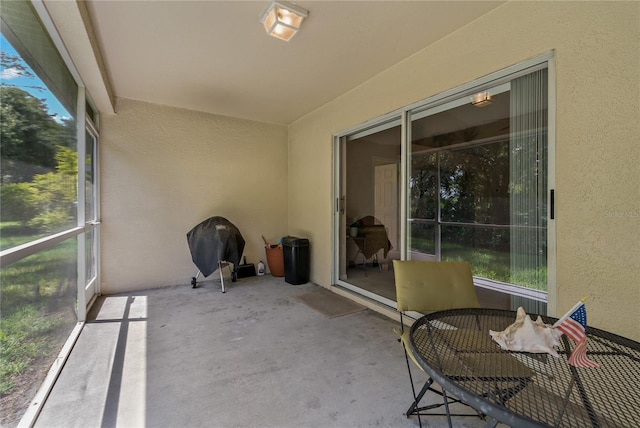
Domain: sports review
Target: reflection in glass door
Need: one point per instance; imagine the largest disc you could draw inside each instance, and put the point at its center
(369, 210)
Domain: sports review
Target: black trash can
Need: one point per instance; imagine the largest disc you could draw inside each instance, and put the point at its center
(296, 260)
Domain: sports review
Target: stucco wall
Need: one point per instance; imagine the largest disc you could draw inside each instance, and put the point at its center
(597, 58)
(164, 170)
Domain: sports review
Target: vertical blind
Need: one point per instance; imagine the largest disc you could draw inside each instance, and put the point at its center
(528, 183)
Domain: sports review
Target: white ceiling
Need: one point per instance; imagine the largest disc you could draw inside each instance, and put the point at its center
(214, 56)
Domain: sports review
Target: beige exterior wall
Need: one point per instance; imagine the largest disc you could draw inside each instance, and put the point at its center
(597, 59)
(164, 170)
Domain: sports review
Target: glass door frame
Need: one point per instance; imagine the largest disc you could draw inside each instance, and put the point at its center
(545, 60)
(339, 232)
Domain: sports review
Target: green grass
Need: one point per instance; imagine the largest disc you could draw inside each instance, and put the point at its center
(43, 275)
(486, 263)
(25, 337)
(38, 306)
(13, 233)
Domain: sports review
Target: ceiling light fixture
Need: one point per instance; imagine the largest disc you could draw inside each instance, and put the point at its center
(481, 99)
(282, 19)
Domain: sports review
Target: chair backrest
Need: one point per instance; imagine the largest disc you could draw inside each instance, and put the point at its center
(433, 286)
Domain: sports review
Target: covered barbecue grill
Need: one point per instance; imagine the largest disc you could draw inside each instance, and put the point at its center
(215, 243)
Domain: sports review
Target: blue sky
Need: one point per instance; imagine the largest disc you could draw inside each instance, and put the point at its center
(33, 85)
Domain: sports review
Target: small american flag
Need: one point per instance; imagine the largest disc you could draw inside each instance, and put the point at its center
(574, 325)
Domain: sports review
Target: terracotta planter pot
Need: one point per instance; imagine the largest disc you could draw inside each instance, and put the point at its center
(275, 260)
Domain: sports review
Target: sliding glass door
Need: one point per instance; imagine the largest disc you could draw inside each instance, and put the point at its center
(473, 172)
(369, 209)
(478, 187)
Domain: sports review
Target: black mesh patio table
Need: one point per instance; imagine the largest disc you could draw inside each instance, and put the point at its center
(524, 389)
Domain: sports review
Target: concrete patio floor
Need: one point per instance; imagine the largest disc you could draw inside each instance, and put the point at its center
(253, 357)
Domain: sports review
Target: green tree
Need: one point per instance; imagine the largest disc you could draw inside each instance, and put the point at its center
(19, 201)
(57, 193)
(28, 135)
(38, 161)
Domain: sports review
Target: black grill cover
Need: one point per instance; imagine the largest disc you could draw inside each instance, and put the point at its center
(214, 240)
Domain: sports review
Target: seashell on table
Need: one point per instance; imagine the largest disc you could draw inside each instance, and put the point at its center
(525, 335)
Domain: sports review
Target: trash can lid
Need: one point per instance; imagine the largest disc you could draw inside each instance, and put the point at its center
(296, 242)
